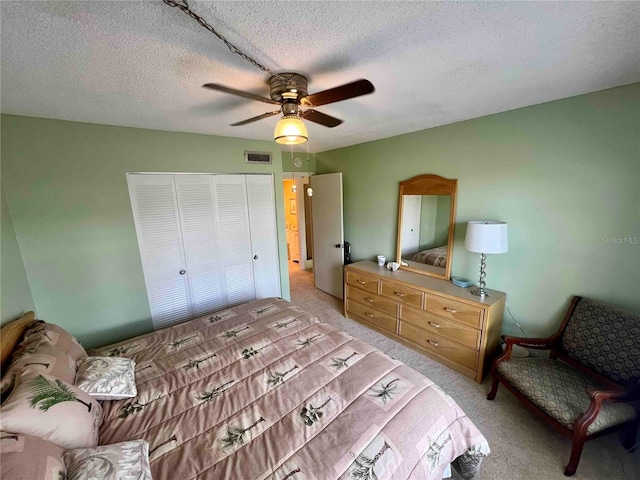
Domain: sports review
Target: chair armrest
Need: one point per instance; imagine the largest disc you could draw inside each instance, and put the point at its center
(622, 394)
(534, 343)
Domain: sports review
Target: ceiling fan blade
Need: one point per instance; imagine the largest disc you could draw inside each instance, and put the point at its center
(337, 94)
(240, 93)
(254, 119)
(321, 118)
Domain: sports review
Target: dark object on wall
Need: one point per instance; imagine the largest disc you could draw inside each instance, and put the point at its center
(263, 158)
(347, 253)
(580, 391)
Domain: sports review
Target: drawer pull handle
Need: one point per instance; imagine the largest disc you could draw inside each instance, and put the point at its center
(450, 310)
(370, 315)
(369, 299)
(400, 294)
(435, 344)
(361, 282)
(437, 325)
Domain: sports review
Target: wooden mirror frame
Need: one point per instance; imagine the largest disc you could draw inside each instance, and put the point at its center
(429, 185)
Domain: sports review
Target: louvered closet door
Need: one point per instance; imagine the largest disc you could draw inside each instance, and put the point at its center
(264, 237)
(207, 241)
(155, 212)
(203, 252)
(234, 237)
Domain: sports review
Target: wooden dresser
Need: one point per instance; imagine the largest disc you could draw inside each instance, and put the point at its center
(430, 315)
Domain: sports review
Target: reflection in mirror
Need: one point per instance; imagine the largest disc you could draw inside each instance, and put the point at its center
(425, 229)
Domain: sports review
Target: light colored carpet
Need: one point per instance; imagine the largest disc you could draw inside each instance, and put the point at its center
(522, 446)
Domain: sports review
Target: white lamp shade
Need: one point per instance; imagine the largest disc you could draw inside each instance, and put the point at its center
(290, 131)
(486, 236)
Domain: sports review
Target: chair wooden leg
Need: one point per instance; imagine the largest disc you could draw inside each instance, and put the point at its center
(630, 435)
(576, 451)
(494, 386)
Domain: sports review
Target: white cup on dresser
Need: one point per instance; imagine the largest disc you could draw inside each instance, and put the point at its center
(381, 260)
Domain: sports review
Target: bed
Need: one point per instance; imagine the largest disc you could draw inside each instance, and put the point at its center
(265, 390)
(433, 256)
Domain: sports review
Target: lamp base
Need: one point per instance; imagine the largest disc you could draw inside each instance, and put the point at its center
(481, 292)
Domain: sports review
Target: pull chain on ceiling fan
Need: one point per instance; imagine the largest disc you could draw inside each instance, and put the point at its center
(287, 90)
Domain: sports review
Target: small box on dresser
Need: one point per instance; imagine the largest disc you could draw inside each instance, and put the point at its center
(430, 315)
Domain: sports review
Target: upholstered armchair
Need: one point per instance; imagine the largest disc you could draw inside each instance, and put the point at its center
(585, 387)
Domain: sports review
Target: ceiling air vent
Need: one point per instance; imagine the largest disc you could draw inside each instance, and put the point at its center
(263, 158)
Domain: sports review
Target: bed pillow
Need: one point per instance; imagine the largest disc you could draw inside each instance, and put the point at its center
(126, 460)
(23, 457)
(51, 409)
(107, 378)
(40, 357)
(57, 336)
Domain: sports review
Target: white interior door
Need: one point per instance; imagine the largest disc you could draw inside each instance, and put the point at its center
(411, 211)
(205, 272)
(155, 212)
(206, 241)
(235, 237)
(264, 236)
(328, 234)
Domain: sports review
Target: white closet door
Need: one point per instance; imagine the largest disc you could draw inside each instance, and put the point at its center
(204, 258)
(264, 237)
(155, 212)
(234, 237)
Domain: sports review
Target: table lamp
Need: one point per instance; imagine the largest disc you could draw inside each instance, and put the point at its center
(485, 236)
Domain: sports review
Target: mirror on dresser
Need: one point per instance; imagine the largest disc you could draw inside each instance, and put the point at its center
(426, 218)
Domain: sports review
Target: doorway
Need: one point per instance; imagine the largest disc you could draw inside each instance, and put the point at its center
(298, 215)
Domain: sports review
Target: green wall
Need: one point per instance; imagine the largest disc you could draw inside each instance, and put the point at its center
(67, 192)
(443, 214)
(428, 212)
(565, 175)
(287, 161)
(15, 294)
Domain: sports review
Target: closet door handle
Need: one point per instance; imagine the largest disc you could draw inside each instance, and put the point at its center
(255, 257)
(182, 272)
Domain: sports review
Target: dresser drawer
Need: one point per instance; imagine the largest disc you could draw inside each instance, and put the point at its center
(440, 345)
(460, 312)
(373, 316)
(386, 305)
(457, 332)
(365, 282)
(410, 296)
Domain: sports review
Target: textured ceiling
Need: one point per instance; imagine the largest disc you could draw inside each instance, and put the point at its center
(142, 64)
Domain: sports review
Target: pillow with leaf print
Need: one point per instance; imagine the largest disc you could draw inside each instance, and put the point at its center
(51, 409)
(107, 378)
(42, 357)
(57, 336)
(119, 461)
(23, 457)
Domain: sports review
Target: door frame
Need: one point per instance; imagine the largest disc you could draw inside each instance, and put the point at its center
(298, 178)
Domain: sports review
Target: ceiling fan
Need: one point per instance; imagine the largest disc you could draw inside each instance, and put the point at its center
(289, 91)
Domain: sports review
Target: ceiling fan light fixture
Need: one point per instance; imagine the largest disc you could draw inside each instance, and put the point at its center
(290, 131)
